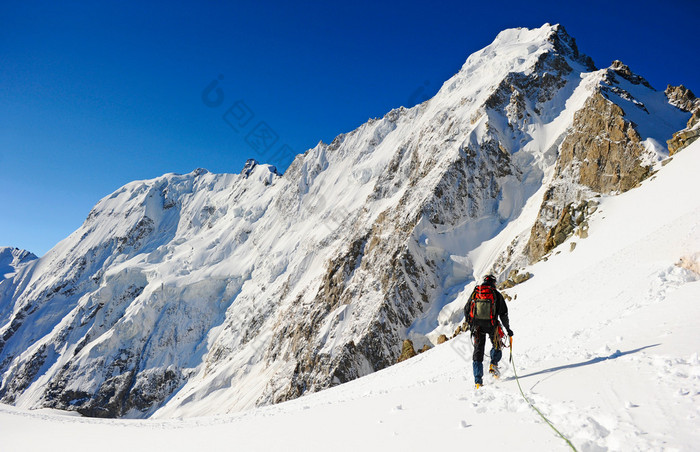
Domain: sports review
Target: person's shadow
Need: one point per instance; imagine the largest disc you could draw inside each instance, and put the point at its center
(599, 359)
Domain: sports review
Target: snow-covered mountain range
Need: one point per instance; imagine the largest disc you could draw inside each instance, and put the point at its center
(202, 293)
(605, 346)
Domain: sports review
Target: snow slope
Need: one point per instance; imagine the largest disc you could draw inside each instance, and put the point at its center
(606, 345)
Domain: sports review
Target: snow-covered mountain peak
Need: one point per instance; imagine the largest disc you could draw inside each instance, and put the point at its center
(11, 258)
(204, 293)
(565, 44)
(519, 50)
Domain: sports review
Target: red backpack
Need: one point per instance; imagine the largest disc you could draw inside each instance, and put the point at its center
(483, 305)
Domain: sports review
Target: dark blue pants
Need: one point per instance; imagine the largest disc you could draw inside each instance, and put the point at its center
(479, 337)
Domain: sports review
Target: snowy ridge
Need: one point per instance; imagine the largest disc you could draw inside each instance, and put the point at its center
(202, 294)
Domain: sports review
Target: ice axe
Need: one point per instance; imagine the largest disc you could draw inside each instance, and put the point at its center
(510, 338)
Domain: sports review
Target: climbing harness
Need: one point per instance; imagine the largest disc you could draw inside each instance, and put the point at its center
(531, 404)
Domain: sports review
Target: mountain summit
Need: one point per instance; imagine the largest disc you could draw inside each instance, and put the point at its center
(206, 293)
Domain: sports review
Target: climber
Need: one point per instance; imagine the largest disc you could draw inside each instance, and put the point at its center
(485, 306)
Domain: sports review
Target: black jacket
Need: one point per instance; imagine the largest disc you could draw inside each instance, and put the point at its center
(501, 309)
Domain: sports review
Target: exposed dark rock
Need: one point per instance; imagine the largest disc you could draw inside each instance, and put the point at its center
(24, 377)
(249, 166)
(110, 398)
(624, 71)
(122, 391)
(441, 339)
(566, 44)
(136, 235)
(152, 388)
(541, 84)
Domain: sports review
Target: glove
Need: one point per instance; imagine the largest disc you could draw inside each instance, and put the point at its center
(510, 332)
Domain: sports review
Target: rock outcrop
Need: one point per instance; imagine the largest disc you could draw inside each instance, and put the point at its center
(603, 153)
(624, 71)
(515, 278)
(407, 351)
(685, 100)
(683, 138)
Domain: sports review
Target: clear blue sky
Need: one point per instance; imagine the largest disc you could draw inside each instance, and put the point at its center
(96, 94)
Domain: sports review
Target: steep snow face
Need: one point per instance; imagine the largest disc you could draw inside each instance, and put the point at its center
(404, 187)
(203, 293)
(131, 295)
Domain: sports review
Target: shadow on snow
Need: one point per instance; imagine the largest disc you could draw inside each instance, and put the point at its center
(614, 355)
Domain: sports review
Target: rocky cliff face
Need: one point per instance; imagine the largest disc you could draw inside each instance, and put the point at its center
(602, 154)
(684, 99)
(203, 293)
(685, 137)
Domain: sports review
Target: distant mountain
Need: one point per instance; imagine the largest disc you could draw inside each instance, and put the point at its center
(11, 259)
(204, 293)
